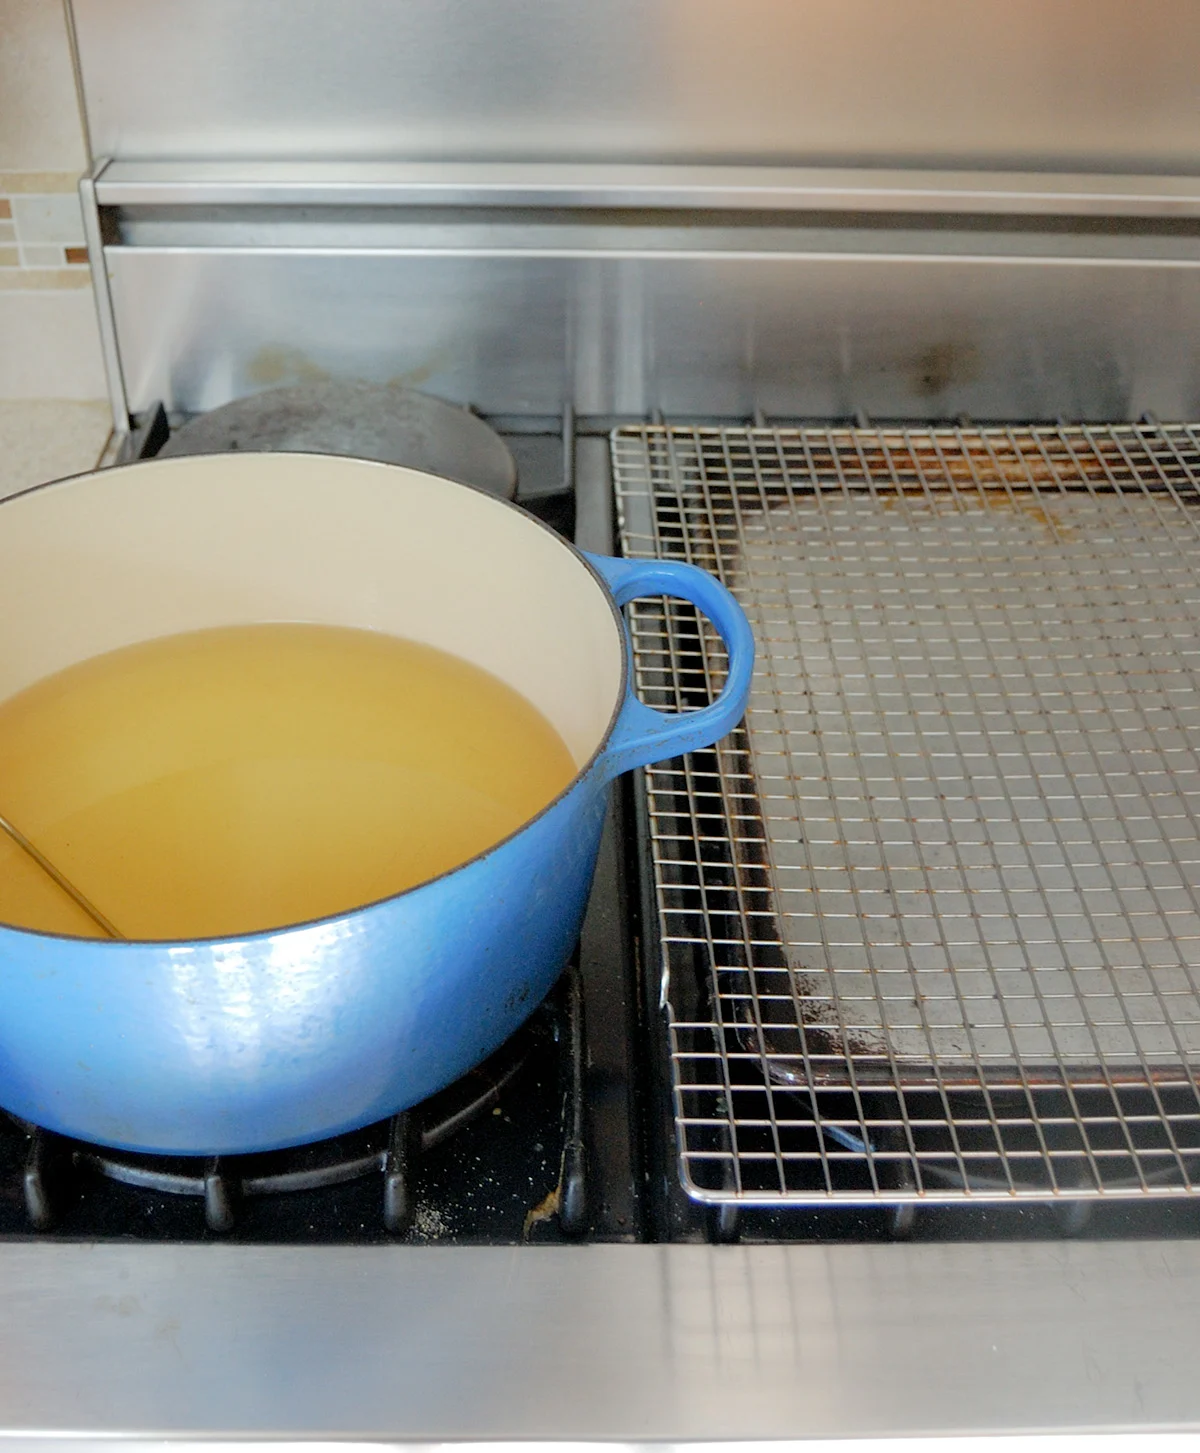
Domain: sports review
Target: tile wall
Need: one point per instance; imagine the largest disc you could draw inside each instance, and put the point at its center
(41, 231)
(49, 345)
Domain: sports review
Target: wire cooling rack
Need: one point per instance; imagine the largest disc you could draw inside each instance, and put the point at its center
(930, 920)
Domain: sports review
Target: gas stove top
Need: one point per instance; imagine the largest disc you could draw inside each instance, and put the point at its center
(566, 1134)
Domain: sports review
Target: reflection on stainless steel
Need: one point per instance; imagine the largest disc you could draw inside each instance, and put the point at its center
(406, 232)
(1100, 85)
(391, 184)
(712, 335)
(943, 886)
(697, 290)
(612, 1343)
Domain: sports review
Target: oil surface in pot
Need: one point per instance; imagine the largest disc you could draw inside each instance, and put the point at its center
(249, 777)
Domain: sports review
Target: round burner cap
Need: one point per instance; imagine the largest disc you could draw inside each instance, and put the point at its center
(366, 420)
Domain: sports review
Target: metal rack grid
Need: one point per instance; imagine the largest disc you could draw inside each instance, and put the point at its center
(931, 919)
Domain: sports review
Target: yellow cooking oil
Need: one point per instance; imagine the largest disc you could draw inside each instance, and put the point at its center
(249, 777)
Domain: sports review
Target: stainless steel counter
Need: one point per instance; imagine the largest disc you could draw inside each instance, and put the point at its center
(597, 1343)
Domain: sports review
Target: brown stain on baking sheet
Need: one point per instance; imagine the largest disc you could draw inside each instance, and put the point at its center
(980, 499)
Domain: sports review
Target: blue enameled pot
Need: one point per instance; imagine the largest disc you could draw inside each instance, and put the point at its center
(246, 1044)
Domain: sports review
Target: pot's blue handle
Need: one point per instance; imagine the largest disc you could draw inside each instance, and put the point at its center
(642, 735)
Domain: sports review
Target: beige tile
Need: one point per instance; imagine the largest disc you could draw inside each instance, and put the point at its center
(42, 279)
(40, 128)
(18, 182)
(53, 218)
(49, 343)
(43, 254)
(8, 233)
(44, 439)
(9, 257)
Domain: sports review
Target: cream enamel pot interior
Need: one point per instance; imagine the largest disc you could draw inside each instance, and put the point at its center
(234, 1045)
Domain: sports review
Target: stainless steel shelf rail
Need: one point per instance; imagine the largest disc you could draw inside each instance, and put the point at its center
(930, 921)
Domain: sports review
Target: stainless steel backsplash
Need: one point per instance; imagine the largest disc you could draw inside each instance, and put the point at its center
(808, 207)
(1068, 84)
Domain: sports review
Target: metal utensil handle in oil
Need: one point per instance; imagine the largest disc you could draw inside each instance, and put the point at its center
(60, 879)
